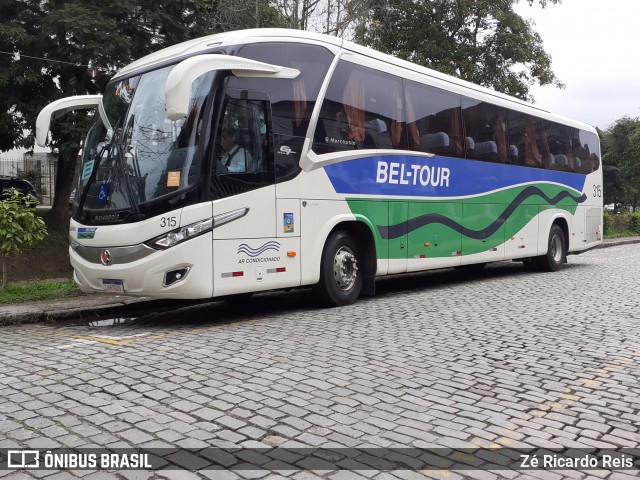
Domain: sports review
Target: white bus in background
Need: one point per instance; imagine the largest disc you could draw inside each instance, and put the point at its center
(352, 165)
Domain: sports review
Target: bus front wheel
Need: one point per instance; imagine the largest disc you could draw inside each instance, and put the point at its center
(340, 271)
(556, 252)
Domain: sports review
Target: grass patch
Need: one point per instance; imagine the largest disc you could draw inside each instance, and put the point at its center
(619, 234)
(40, 290)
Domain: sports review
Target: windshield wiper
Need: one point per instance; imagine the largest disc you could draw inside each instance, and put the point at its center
(121, 164)
(117, 141)
(96, 159)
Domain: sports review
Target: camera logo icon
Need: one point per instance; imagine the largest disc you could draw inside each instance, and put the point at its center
(23, 459)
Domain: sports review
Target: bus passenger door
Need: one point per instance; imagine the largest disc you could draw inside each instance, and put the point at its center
(246, 249)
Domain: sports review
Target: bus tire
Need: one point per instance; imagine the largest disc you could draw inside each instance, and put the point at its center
(556, 251)
(340, 271)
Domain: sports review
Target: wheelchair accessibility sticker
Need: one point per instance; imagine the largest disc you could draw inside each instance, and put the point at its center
(103, 194)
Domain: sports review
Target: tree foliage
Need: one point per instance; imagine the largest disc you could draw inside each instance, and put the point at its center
(613, 184)
(20, 228)
(333, 17)
(481, 41)
(621, 160)
(240, 14)
(21, 85)
(58, 48)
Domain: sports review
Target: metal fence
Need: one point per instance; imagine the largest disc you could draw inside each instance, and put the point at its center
(40, 171)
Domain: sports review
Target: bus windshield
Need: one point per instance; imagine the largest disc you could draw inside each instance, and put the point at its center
(133, 154)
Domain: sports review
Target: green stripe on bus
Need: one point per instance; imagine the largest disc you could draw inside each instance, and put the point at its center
(488, 220)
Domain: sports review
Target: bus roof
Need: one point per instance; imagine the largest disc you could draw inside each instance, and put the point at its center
(239, 37)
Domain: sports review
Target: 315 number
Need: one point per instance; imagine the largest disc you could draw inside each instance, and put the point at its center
(597, 190)
(168, 222)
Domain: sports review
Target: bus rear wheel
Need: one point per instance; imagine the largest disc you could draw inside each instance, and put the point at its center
(556, 255)
(340, 271)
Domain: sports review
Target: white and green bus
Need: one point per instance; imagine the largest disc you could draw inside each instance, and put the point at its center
(267, 159)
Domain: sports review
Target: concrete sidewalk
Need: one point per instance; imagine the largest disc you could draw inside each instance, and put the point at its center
(96, 305)
(614, 242)
(89, 305)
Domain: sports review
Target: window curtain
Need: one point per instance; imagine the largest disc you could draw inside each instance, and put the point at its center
(353, 101)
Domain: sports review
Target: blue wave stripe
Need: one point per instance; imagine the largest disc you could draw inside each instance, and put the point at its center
(254, 252)
(266, 245)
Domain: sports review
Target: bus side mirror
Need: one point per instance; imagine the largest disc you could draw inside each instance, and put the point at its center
(60, 107)
(178, 87)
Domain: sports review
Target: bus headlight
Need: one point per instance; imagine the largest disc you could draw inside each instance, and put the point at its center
(168, 240)
(182, 234)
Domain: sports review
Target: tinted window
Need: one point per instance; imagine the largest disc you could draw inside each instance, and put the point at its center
(485, 128)
(243, 159)
(571, 149)
(363, 108)
(586, 152)
(292, 101)
(527, 135)
(434, 123)
(561, 140)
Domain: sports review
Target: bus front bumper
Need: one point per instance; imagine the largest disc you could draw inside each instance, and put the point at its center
(183, 271)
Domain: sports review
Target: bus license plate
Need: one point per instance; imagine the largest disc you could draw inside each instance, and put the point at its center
(114, 286)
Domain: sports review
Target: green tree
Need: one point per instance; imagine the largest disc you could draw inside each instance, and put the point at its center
(621, 152)
(100, 37)
(481, 41)
(20, 228)
(240, 14)
(632, 170)
(58, 48)
(21, 83)
(613, 184)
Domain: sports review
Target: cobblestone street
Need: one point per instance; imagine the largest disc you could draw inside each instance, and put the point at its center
(506, 358)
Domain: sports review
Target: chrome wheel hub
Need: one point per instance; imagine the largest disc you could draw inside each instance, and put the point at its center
(556, 249)
(345, 268)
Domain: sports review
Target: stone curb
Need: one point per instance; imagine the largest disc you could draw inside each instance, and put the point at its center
(617, 242)
(131, 306)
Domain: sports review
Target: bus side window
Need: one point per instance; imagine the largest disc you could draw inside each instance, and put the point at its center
(532, 153)
(562, 153)
(528, 139)
(239, 145)
(363, 108)
(586, 150)
(242, 158)
(292, 101)
(485, 127)
(434, 122)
